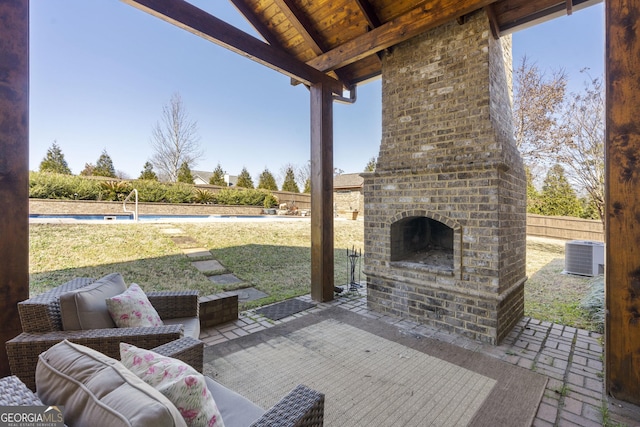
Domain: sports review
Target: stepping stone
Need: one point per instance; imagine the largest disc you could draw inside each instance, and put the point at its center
(224, 279)
(197, 253)
(185, 241)
(248, 294)
(208, 265)
(172, 231)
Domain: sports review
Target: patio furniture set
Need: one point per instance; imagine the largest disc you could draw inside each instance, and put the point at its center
(72, 338)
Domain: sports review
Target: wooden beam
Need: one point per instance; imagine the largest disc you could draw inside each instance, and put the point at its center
(569, 4)
(14, 168)
(427, 16)
(250, 16)
(622, 181)
(493, 21)
(322, 250)
(302, 25)
(184, 15)
(369, 13)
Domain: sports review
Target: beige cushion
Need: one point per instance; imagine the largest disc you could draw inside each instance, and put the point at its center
(97, 390)
(85, 308)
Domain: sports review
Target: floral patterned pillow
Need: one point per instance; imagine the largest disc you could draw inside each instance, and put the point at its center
(180, 383)
(132, 309)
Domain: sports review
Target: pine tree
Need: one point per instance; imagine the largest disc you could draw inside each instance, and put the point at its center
(558, 197)
(371, 165)
(184, 174)
(533, 195)
(289, 183)
(104, 166)
(88, 169)
(267, 181)
(218, 176)
(54, 161)
(148, 173)
(307, 186)
(244, 179)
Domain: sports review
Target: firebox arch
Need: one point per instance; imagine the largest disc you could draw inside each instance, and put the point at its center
(428, 214)
(452, 224)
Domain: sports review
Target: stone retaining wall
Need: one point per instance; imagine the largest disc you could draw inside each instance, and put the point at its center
(87, 207)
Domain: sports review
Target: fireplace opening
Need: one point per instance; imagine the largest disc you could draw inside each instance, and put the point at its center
(423, 241)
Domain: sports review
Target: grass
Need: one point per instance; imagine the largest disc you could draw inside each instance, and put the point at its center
(274, 257)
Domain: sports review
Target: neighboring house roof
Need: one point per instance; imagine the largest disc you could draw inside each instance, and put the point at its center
(202, 176)
(348, 180)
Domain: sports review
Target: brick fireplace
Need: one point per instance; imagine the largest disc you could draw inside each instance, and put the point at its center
(445, 219)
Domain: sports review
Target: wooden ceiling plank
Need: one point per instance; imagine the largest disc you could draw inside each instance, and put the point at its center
(369, 13)
(199, 22)
(250, 16)
(428, 15)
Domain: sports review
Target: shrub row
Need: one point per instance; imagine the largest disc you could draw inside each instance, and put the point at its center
(43, 185)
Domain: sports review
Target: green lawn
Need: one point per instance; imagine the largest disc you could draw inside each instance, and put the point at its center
(271, 256)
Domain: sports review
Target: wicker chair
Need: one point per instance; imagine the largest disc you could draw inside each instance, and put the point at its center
(301, 407)
(42, 325)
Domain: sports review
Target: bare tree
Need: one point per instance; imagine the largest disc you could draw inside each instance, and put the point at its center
(581, 148)
(175, 140)
(303, 173)
(537, 105)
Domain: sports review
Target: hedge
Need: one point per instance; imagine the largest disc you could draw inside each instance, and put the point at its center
(45, 185)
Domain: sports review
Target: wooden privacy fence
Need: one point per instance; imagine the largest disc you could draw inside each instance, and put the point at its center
(564, 227)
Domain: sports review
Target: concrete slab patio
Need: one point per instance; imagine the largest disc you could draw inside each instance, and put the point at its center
(571, 359)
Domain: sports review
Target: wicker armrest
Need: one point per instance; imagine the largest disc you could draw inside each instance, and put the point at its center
(13, 392)
(23, 350)
(187, 349)
(302, 407)
(175, 304)
(41, 313)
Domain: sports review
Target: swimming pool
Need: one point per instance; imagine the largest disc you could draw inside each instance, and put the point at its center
(158, 218)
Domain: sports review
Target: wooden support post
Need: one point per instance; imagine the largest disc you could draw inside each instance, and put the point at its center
(14, 168)
(321, 193)
(622, 349)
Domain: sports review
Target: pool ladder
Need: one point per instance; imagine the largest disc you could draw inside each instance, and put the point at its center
(124, 204)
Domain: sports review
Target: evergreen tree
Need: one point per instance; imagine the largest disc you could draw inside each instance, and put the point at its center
(267, 181)
(533, 195)
(104, 166)
(148, 173)
(244, 179)
(88, 169)
(558, 197)
(289, 183)
(307, 186)
(371, 165)
(218, 176)
(54, 161)
(184, 174)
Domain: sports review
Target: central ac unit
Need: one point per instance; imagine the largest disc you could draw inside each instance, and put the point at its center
(584, 257)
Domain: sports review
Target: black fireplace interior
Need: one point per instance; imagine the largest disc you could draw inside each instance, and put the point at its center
(422, 240)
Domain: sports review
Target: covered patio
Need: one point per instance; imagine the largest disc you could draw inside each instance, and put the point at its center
(331, 47)
(569, 359)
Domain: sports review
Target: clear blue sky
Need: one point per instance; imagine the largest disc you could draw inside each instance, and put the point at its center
(102, 70)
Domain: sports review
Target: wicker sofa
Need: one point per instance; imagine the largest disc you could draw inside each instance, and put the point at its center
(42, 327)
(301, 407)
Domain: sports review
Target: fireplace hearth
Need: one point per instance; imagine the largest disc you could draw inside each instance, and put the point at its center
(445, 209)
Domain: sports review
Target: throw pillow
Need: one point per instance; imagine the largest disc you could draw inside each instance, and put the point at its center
(132, 309)
(185, 387)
